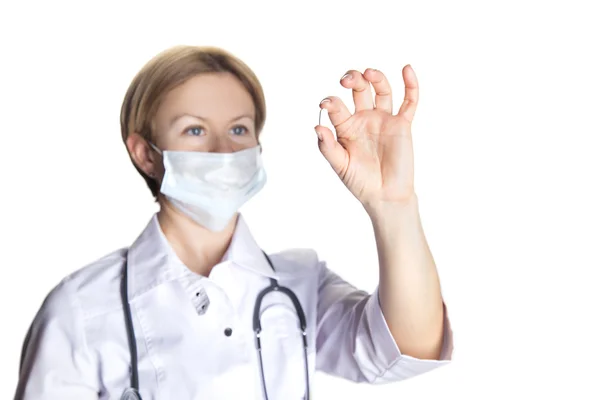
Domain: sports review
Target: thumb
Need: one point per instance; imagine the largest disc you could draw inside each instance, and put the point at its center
(332, 150)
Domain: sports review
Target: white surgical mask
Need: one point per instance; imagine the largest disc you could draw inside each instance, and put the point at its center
(211, 187)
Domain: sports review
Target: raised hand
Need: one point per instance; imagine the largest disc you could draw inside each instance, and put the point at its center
(372, 149)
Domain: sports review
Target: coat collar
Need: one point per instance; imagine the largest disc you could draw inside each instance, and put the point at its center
(151, 261)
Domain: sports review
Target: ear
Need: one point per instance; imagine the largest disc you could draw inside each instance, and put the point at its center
(144, 157)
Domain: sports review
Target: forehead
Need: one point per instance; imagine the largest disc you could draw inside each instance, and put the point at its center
(214, 96)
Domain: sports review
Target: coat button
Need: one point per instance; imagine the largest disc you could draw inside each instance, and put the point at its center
(228, 331)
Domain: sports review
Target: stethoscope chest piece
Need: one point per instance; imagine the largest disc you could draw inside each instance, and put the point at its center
(131, 394)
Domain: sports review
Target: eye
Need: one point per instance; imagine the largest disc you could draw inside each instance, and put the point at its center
(194, 131)
(239, 130)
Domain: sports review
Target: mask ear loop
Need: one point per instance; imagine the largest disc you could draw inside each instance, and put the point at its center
(159, 151)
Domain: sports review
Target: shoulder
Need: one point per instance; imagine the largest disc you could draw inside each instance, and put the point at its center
(297, 262)
(89, 291)
(58, 335)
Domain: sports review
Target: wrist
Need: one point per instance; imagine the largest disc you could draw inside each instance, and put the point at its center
(382, 211)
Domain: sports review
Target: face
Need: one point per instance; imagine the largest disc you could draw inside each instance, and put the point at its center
(211, 112)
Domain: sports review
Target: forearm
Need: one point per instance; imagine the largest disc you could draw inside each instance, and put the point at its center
(409, 288)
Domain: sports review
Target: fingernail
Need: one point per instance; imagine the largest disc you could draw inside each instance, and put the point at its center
(348, 75)
(319, 135)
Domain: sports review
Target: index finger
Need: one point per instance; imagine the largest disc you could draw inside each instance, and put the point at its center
(336, 109)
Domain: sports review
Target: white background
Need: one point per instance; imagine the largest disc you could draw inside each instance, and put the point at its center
(506, 146)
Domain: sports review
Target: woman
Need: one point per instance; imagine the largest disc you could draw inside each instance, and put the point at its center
(194, 309)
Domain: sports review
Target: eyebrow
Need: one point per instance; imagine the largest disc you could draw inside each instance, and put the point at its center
(177, 117)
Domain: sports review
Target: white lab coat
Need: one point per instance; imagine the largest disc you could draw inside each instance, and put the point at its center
(77, 346)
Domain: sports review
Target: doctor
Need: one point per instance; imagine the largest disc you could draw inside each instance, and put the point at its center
(194, 309)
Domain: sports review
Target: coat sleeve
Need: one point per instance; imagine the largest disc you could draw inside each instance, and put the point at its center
(354, 341)
(54, 360)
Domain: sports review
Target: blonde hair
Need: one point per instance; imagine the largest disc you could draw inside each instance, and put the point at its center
(169, 69)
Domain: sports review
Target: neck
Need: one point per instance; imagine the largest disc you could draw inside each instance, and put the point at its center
(197, 247)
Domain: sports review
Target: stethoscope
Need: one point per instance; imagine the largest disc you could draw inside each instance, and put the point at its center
(132, 393)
